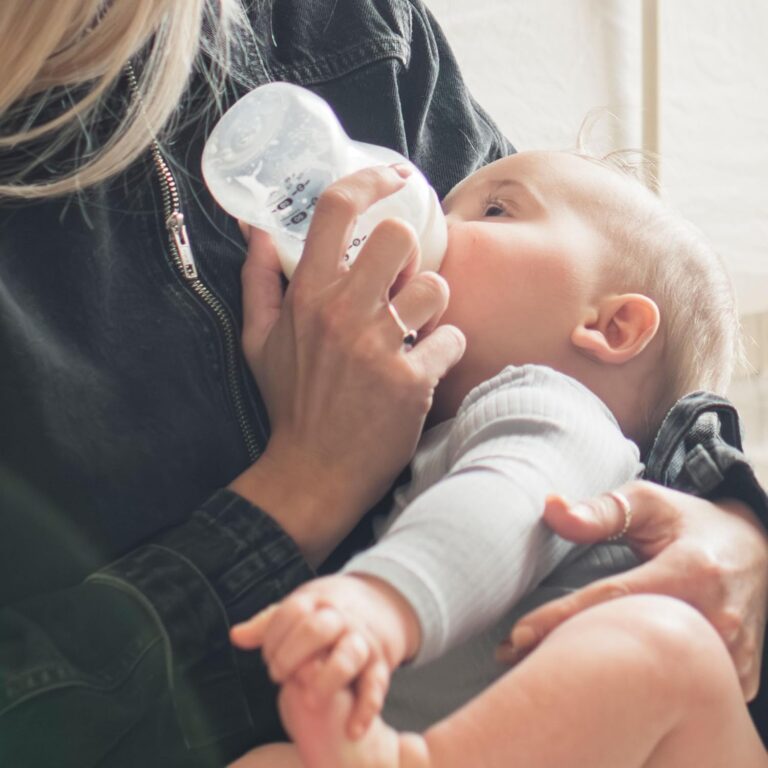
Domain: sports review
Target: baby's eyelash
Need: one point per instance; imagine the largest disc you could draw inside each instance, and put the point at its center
(493, 202)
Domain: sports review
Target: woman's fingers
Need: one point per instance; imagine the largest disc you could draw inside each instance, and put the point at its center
(747, 657)
(739, 602)
(422, 302)
(262, 291)
(640, 515)
(334, 219)
(391, 248)
(713, 556)
(332, 226)
(529, 631)
(328, 359)
(437, 353)
(743, 634)
(652, 522)
(639, 512)
(744, 637)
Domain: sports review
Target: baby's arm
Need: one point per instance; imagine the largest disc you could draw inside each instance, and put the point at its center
(334, 632)
(471, 541)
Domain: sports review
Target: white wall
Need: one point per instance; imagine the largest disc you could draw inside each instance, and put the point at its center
(539, 67)
(715, 130)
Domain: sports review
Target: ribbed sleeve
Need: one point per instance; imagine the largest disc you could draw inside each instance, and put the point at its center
(466, 541)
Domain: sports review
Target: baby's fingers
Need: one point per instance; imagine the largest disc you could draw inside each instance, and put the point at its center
(306, 673)
(372, 686)
(345, 662)
(291, 611)
(250, 634)
(309, 636)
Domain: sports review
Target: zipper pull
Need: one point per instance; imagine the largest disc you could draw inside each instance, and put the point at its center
(178, 231)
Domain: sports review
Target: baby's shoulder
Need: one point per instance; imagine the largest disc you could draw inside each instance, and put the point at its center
(528, 388)
(541, 403)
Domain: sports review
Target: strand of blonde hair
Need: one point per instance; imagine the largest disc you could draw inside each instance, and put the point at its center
(71, 46)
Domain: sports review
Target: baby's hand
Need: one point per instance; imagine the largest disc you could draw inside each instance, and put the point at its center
(332, 633)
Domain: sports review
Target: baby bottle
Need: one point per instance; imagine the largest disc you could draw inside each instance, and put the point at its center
(272, 154)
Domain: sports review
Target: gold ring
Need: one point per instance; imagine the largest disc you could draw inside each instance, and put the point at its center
(623, 503)
(410, 335)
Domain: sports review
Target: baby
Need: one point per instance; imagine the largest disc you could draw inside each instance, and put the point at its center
(588, 311)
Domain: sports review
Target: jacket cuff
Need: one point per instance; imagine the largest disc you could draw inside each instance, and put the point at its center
(228, 561)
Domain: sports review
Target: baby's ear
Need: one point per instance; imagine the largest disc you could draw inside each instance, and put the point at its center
(624, 326)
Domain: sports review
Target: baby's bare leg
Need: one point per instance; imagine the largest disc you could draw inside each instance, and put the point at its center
(641, 682)
(271, 756)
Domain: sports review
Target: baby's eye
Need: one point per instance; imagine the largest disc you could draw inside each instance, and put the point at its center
(494, 208)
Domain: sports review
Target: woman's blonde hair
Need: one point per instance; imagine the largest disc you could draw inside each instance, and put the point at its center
(71, 52)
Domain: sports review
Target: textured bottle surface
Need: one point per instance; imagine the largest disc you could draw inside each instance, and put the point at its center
(273, 153)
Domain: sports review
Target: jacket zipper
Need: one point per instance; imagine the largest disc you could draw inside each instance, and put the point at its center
(184, 260)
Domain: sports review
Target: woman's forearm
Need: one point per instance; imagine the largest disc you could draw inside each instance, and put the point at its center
(145, 640)
(314, 507)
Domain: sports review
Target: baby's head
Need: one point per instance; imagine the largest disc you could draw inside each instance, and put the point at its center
(558, 259)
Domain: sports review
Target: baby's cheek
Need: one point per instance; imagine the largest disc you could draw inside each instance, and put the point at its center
(553, 280)
(573, 283)
(459, 271)
(462, 244)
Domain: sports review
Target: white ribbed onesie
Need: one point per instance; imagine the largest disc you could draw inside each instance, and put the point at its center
(465, 541)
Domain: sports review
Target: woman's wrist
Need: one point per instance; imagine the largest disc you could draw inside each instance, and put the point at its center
(304, 497)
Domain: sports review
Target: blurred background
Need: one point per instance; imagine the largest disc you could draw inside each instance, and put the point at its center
(685, 78)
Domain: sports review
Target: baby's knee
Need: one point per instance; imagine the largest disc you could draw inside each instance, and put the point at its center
(665, 624)
(671, 645)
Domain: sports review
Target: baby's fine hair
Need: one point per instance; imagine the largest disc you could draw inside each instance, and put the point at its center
(663, 256)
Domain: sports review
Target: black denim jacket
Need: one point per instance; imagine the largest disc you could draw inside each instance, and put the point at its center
(126, 408)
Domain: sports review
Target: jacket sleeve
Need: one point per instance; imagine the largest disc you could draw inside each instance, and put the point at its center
(698, 450)
(134, 663)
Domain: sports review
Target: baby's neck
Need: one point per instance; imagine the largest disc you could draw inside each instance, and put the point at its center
(629, 390)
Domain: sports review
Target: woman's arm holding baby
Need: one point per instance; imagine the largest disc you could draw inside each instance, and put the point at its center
(712, 555)
(326, 354)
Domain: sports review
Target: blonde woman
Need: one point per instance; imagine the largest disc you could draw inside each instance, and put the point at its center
(149, 496)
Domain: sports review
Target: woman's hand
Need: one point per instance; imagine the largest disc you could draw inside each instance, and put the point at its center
(712, 556)
(346, 400)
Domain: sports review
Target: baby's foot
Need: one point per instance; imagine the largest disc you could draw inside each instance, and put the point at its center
(320, 735)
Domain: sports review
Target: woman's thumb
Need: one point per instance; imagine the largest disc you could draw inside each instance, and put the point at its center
(642, 514)
(585, 522)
